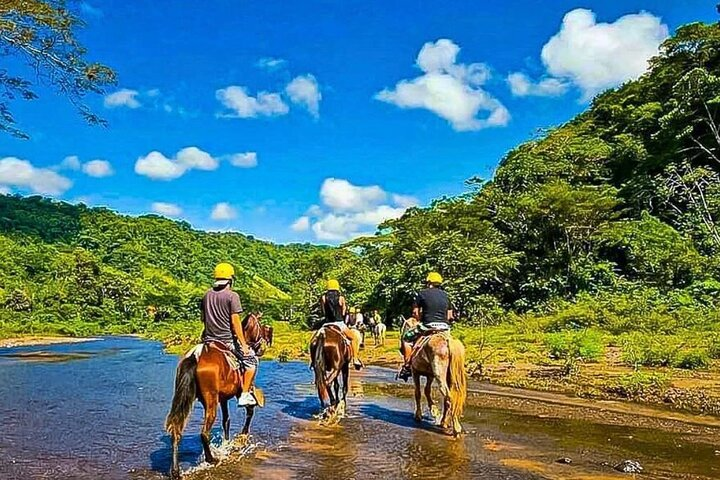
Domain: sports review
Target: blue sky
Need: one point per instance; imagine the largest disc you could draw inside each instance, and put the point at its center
(368, 107)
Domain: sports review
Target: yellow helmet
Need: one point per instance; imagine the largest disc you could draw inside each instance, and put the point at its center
(434, 277)
(333, 284)
(224, 271)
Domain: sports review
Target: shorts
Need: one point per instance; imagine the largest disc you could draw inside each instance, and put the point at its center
(411, 335)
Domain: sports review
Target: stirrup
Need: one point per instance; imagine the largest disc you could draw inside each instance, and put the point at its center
(404, 373)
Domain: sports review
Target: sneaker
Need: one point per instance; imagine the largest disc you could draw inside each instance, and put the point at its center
(357, 364)
(246, 400)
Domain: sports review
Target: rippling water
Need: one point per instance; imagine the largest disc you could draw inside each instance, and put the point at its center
(96, 410)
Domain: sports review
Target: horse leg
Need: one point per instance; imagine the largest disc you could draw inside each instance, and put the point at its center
(249, 412)
(346, 381)
(418, 397)
(428, 396)
(210, 402)
(439, 368)
(225, 420)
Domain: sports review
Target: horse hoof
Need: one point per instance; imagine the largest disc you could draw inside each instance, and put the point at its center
(175, 474)
(418, 418)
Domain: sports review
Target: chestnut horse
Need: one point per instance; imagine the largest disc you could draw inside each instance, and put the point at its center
(331, 357)
(212, 381)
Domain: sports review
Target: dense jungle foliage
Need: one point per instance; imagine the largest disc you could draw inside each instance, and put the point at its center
(605, 224)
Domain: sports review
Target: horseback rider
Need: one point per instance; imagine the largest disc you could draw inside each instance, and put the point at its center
(433, 311)
(334, 310)
(221, 311)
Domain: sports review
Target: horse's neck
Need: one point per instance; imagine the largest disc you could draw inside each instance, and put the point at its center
(251, 331)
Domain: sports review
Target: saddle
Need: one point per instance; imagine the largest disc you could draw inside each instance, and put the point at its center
(227, 352)
(337, 329)
(424, 338)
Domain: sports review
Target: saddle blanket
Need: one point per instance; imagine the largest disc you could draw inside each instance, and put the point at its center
(230, 357)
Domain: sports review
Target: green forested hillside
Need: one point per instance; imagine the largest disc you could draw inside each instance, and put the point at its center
(73, 269)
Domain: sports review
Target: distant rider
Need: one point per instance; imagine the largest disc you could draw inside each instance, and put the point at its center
(334, 310)
(433, 311)
(221, 311)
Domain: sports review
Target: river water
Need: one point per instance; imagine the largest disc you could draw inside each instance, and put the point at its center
(96, 410)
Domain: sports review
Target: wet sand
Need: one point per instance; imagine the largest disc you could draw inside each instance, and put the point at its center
(510, 433)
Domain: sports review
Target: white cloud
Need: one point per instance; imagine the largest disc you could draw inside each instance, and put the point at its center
(302, 224)
(71, 162)
(271, 63)
(451, 90)
(124, 97)
(242, 105)
(157, 166)
(167, 209)
(303, 90)
(243, 160)
(350, 211)
(223, 211)
(341, 195)
(339, 227)
(595, 56)
(98, 168)
(17, 173)
(522, 86)
(194, 158)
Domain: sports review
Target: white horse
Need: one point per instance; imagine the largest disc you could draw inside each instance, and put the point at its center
(379, 333)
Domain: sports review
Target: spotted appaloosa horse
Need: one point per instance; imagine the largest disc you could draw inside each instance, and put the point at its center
(211, 380)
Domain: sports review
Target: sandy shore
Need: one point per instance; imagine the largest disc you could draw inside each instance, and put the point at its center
(41, 340)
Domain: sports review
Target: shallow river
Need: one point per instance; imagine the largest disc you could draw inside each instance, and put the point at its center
(96, 410)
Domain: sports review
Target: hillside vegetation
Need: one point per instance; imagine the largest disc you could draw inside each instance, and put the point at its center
(597, 242)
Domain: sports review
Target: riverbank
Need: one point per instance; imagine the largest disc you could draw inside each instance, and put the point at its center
(34, 340)
(502, 356)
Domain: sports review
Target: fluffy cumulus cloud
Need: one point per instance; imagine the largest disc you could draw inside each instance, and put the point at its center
(595, 56)
(240, 104)
(167, 209)
(98, 168)
(125, 97)
(157, 166)
(23, 175)
(449, 89)
(243, 160)
(304, 90)
(223, 211)
(350, 211)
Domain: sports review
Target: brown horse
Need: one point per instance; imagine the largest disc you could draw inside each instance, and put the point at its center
(331, 358)
(212, 381)
(441, 359)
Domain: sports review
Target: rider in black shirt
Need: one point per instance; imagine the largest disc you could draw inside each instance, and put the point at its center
(433, 310)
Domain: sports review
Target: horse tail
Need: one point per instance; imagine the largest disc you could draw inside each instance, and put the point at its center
(457, 379)
(184, 397)
(319, 364)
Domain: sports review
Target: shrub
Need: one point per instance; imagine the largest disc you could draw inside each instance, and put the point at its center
(574, 347)
(693, 359)
(649, 350)
(638, 384)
